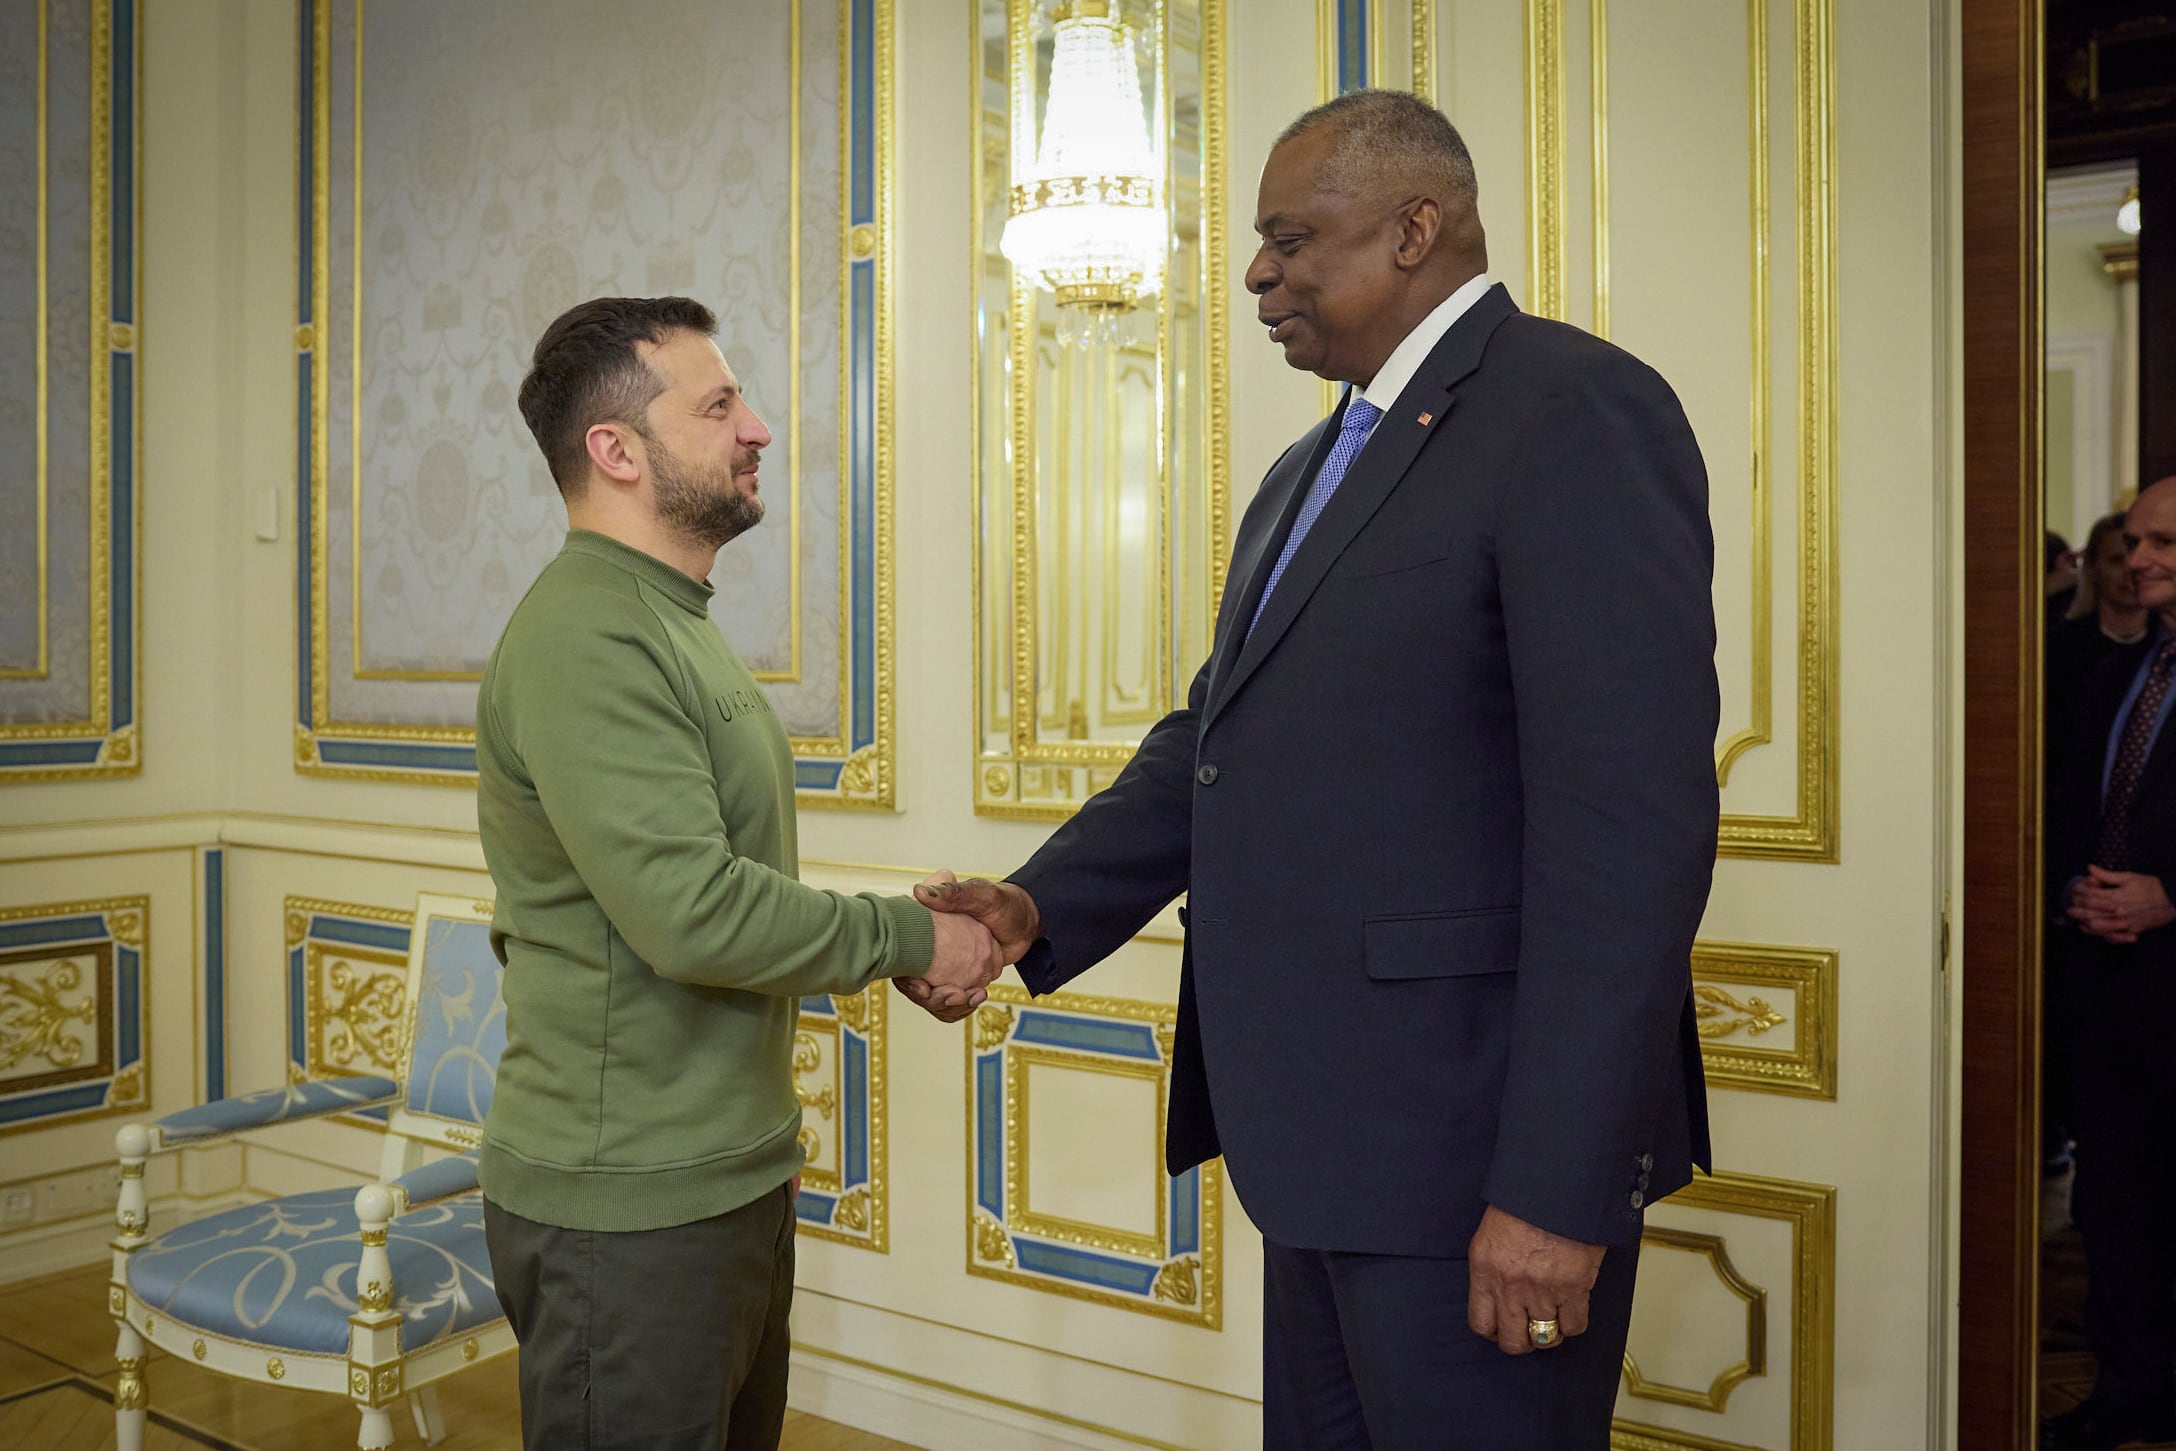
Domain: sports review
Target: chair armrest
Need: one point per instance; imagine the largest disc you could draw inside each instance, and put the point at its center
(441, 1179)
(290, 1104)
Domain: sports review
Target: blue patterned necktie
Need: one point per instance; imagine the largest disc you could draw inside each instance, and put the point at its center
(2113, 848)
(1360, 416)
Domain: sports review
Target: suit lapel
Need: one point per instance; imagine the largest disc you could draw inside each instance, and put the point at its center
(1381, 465)
(1282, 491)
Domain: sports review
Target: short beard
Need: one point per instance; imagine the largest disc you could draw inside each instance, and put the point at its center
(701, 507)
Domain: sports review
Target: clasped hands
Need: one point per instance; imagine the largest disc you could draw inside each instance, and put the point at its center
(2118, 906)
(983, 927)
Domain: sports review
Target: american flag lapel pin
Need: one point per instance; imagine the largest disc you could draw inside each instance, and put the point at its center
(1426, 419)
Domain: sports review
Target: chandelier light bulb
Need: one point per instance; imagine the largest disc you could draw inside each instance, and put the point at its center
(1087, 221)
(2127, 215)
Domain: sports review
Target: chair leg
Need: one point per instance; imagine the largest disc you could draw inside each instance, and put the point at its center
(132, 1393)
(377, 1429)
(430, 1422)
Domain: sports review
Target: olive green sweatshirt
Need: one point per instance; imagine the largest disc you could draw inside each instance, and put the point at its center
(635, 797)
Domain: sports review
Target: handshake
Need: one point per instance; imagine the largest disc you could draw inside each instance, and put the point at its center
(983, 927)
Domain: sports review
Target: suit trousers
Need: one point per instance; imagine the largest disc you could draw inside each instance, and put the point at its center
(660, 1339)
(1373, 1353)
(2124, 1198)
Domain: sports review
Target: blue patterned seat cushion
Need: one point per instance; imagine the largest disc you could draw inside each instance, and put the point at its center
(282, 1274)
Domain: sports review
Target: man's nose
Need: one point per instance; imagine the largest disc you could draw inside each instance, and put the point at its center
(1261, 275)
(754, 433)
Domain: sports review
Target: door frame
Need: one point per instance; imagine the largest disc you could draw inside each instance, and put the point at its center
(2003, 175)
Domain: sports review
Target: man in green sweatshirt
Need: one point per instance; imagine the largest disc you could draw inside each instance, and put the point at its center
(635, 798)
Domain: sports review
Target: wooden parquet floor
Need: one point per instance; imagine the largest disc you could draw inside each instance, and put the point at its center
(57, 1374)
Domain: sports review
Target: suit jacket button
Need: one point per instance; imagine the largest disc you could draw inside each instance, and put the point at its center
(1206, 775)
(1638, 1199)
(1643, 1181)
(1647, 1162)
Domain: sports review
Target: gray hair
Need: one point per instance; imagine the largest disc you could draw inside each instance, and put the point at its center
(1390, 141)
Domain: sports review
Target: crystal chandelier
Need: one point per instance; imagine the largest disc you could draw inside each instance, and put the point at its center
(1087, 220)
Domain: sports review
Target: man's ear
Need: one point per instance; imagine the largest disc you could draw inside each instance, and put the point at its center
(1418, 233)
(614, 452)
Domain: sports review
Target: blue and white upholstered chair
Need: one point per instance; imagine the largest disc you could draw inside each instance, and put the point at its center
(372, 1294)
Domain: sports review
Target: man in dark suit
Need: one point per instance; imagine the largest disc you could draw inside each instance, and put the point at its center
(2112, 853)
(1443, 802)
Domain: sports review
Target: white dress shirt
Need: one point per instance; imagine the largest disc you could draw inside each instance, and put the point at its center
(1405, 359)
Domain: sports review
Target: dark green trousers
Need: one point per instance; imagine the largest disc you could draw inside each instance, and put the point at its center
(660, 1339)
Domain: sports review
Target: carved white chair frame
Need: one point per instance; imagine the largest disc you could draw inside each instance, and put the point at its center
(377, 1372)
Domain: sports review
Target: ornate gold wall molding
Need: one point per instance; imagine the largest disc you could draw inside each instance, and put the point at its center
(348, 1010)
(840, 1076)
(1545, 204)
(74, 1029)
(1715, 1396)
(64, 716)
(1809, 1211)
(1172, 1270)
(1743, 994)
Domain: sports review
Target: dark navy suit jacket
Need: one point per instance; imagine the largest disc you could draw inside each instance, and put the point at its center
(1446, 819)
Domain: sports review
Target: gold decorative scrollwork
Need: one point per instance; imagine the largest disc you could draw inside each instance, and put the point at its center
(388, 1383)
(375, 1238)
(996, 781)
(119, 749)
(117, 1302)
(35, 1020)
(993, 1025)
(470, 1349)
(852, 1211)
(276, 1368)
(366, 1012)
(127, 1089)
(131, 1222)
(1167, 1040)
(298, 927)
(1179, 1281)
(810, 1144)
(305, 747)
(853, 1011)
(858, 777)
(128, 1391)
(1718, 1014)
(126, 928)
(358, 1383)
(376, 1296)
(462, 1135)
(992, 1243)
(197, 1349)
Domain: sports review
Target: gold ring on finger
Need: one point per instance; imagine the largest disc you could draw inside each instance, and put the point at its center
(1544, 1333)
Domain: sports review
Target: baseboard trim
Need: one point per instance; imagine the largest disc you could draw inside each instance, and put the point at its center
(923, 1413)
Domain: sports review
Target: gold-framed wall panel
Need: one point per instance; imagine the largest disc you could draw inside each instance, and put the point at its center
(1730, 1028)
(852, 767)
(107, 740)
(1188, 1285)
(379, 938)
(123, 1016)
(1810, 1212)
(1000, 777)
(1715, 1396)
(1810, 832)
(860, 1213)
